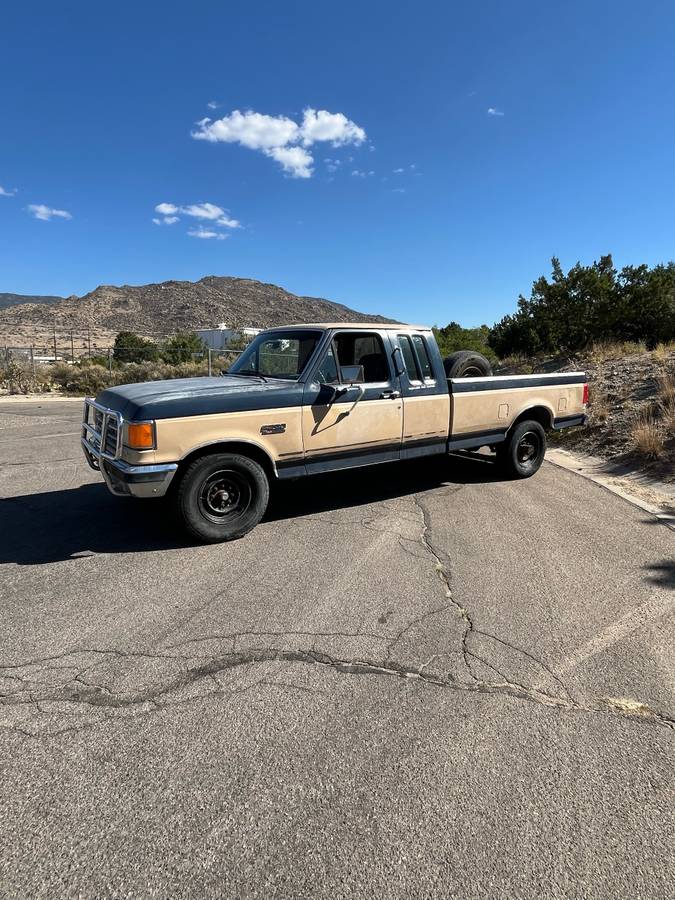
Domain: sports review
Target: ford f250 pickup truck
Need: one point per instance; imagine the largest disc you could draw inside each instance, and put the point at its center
(305, 399)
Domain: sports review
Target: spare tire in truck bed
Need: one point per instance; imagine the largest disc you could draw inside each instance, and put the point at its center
(466, 364)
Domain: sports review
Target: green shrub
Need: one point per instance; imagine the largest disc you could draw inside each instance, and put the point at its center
(88, 379)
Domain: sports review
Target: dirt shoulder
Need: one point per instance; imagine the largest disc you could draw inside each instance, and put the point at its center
(643, 489)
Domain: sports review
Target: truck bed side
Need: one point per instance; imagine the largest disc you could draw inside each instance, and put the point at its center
(483, 409)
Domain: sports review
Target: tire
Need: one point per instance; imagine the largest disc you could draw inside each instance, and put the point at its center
(522, 453)
(221, 497)
(466, 364)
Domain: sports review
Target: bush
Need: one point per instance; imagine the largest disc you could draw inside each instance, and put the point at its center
(88, 379)
(182, 347)
(453, 337)
(17, 377)
(588, 304)
(648, 438)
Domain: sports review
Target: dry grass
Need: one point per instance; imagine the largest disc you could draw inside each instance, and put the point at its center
(599, 407)
(605, 350)
(666, 388)
(668, 416)
(648, 436)
(662, 351)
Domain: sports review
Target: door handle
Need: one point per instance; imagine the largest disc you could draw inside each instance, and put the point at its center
(390, 395)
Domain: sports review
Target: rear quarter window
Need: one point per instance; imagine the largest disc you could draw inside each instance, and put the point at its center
(408, 357)
(423, 356)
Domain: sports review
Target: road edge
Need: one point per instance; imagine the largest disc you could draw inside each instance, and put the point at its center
(574, 463)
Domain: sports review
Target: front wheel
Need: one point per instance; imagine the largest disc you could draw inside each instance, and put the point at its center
(222, 496)
(522, 453)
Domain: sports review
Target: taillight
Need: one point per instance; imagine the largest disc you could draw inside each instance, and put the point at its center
(585, 400)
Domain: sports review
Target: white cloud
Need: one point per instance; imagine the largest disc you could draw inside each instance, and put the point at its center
(281, 138)
(206, 235)
(296, 161)
(211, 212)
(398, 190)
(398, 171)
(250, 129)
(357, 173)
(166, 209)
(213, 104)
(6, 193)
(45, 213)
(170, 214)
(320, 125)
(493, 111)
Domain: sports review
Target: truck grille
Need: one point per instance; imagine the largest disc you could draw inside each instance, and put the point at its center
(102, 430)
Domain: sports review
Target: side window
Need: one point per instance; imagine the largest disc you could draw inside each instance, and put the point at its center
(367, 350)
(327, 372)
(423, 356)
(408, 357)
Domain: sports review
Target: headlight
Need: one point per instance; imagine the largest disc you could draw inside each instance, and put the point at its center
(141, 436)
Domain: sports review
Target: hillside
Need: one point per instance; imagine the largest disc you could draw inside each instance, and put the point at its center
(168, 307)
(7, 300)
(632, 405)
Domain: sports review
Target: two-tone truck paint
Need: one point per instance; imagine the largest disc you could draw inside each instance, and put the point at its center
(305, 399)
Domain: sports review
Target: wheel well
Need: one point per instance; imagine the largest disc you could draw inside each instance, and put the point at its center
(537, 413)
(242, 447)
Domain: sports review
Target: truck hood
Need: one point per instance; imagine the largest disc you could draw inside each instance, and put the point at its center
(198, 397)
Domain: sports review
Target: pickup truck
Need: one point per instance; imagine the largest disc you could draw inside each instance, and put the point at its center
(305, 399)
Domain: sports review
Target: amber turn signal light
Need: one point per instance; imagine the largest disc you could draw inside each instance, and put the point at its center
(141, 435)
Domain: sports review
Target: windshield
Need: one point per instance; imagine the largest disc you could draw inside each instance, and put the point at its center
(277, 354)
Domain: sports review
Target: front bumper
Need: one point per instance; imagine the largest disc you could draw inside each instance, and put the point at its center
(104, 455)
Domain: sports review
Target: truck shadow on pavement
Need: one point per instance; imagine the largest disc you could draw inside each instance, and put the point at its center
(84, 521)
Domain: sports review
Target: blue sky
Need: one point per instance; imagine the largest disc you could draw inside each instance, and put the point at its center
(521, 129)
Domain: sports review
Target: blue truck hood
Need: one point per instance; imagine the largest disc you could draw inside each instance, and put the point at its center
(199, 396)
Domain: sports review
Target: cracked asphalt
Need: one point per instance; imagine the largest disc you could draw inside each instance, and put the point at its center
(410, 681)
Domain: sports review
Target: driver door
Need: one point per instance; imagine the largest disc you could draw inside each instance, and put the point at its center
(363, 425)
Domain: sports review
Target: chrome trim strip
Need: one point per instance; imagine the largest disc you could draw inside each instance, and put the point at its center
(126, 469)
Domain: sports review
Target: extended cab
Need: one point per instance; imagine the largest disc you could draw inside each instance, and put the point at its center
(304, 399)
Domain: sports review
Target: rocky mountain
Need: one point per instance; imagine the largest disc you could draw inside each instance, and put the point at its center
(7, 300)
(171, 306)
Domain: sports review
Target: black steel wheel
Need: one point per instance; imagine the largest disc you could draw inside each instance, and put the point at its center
(523, 451)
(222, 496)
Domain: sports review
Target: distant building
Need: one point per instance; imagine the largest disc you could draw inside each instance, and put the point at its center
(221, 337)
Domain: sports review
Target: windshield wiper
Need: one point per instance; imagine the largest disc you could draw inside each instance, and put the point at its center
(247, 375)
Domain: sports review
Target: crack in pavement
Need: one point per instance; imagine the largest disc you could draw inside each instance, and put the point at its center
(97, 696)
(28, 688)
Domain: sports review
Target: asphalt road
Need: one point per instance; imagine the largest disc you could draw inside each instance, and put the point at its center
(410, 681)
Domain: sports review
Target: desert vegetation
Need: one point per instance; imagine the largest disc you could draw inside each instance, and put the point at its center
(133, 359)
(591, 305)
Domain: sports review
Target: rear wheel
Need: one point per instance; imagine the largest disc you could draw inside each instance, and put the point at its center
(522, 453)
(222, 496)
(466, 364)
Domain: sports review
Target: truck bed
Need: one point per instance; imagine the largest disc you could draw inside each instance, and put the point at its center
(483, 409)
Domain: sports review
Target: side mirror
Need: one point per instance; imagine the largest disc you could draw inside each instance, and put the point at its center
(352, 374)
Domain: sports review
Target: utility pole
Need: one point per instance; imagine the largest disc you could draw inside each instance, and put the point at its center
(72, 347)
(54, 339)
(89, 339)
(32, 359)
